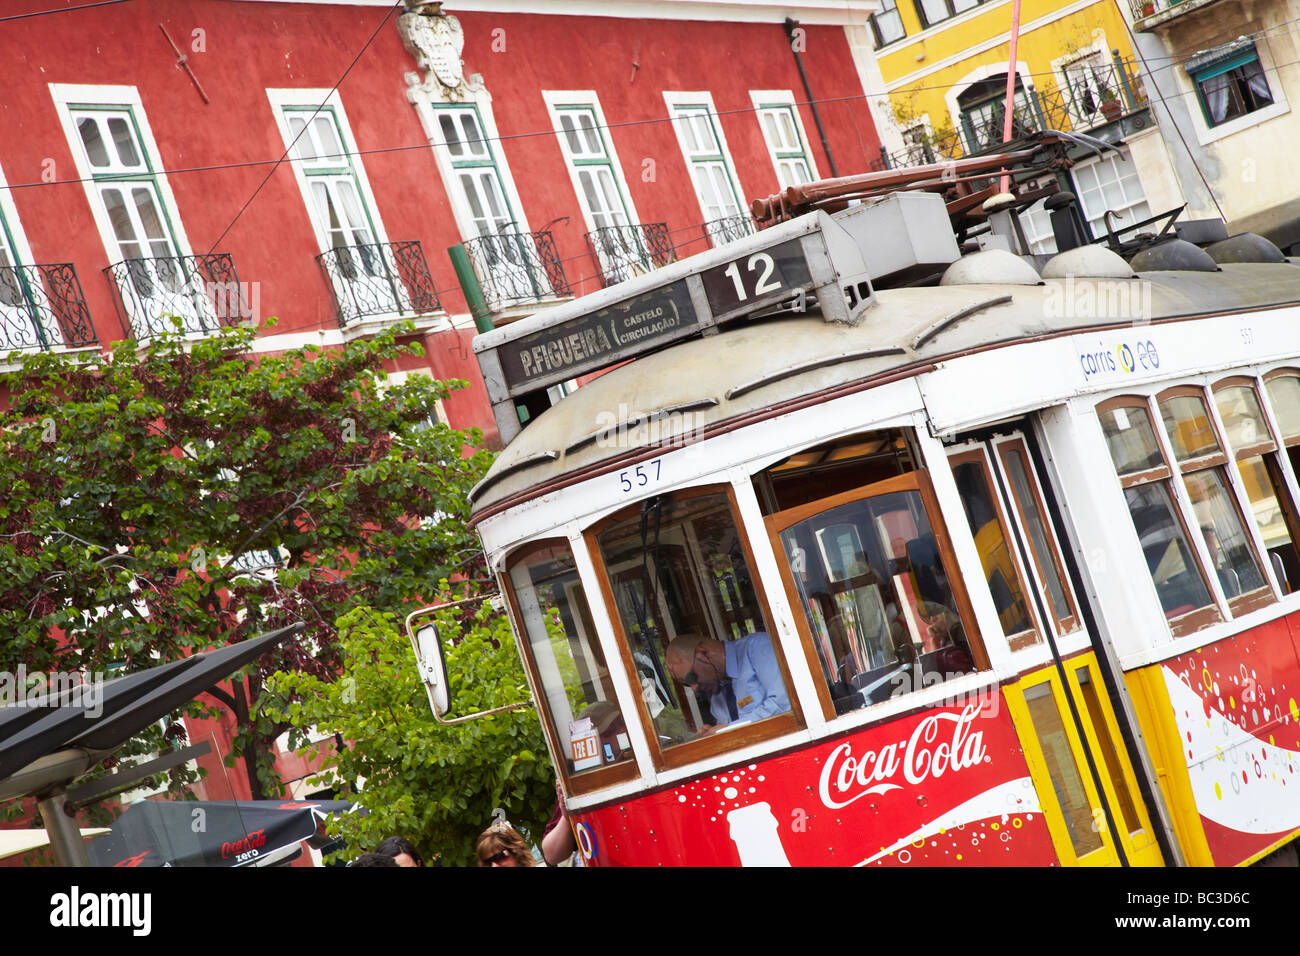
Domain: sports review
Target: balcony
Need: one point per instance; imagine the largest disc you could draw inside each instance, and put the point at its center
(379, 279)
(42, 307)
(621, 252)
(729, 229)
(1090, 103)
(1150, 14)
(517, 268)
(191, 294)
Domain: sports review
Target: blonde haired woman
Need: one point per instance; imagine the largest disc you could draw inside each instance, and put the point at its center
(501, 845)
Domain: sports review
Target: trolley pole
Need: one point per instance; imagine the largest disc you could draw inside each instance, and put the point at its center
(470, 286)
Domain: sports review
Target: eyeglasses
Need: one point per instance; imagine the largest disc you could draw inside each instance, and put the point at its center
(497, 857)
(692, 678)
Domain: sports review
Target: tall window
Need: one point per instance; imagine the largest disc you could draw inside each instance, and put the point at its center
(936, 11)
(983, 112)
(886, 24)
(785, 144)
(477, 173)
(1232, 87)
(1147, 481)
(585, 147)
(710, 167)
(1110, 182)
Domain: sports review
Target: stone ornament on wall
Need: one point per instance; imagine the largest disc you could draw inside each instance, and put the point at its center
(436, 39)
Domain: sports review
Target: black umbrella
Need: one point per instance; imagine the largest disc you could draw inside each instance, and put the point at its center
(211, 833)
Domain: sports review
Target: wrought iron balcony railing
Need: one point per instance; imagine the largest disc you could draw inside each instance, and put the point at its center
(42, 307)
(517, 267)
(621, 252)
(379, 279)
(729, 229)
(1089, 100)
(1142, 9)
(201, 293)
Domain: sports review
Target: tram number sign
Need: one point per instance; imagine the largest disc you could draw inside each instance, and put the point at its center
(775, 271)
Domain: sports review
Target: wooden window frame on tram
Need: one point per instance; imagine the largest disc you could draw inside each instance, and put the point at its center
(768, 728)
(1251, 600)
(1021, 639)
(910, 481)
(1073, 621)
(1201, 617)
(585, 781)
(1284, 441)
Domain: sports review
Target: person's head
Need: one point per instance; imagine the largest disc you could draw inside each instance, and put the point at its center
(401, 850)
(697, 661)
(373, 859)
(501, 845)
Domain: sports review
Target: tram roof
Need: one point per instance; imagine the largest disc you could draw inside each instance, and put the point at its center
(800, 356)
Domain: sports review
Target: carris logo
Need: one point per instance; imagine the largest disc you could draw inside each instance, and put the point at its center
(921, 759)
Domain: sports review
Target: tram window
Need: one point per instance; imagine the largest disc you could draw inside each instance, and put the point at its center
(693, 619)
(988, 526)
(1271, 506)
(1146, 478)
(879, 610)
(1202, 462)
(832, 468)
(1284, 395)
(567, 660)
(1033, 517)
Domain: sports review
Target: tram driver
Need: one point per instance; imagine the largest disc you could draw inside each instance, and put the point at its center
(741, 678)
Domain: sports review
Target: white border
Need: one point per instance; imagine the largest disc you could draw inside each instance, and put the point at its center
(674, 99)
(768, 98)
(588, 98)
(66, 94)
(280, 98)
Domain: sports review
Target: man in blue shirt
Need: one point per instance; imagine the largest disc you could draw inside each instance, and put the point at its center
(742, 678)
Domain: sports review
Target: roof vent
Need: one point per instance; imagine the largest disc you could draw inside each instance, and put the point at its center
(1091, 262)
(1245, 247)
(990, 267)
(1173, 255)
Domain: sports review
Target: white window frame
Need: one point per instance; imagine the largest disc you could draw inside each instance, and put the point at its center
(678, 103)
(765, 100)
(1060, 72)
(68, 95)
(1121, 217)
(1206, 134)
(15, 241)
(556, 101)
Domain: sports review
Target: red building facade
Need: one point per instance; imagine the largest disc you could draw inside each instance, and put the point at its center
(221, 160)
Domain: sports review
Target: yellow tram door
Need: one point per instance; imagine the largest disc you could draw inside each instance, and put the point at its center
(1057, 748)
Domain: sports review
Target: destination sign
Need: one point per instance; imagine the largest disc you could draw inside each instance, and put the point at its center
(777, 270)
(597, 339)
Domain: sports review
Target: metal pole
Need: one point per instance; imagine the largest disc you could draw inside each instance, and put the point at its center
(469, 285)
(65, 835)
(790, 25)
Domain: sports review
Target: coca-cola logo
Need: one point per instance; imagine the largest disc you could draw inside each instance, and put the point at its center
(251, 842)
(921, 758)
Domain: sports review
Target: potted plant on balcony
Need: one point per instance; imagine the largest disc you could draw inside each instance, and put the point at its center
(1148, 8)
(1110, 105)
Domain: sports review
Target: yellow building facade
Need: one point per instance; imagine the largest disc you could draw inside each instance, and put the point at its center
(943, 69)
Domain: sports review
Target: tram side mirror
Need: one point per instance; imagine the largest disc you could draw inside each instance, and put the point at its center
(433, 669)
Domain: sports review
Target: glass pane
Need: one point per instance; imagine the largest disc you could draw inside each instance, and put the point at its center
(569, 125)
(1063, 769)
(1230, 552)
(481, 222)
(451, 136)
(590, 135)
(563, 646)
(1264, 485)
(91, 138)
(1036, 527)
(327, 138)
(473, 138)
(123, 227)
(990, 540)
(934, 10)
(1132, 441)
(1284, 394)
(685, 595)
(876, 598)
(1109, 754)
(303, 147)
(1169, 556)
(1243, 419)
(1187, 422)
(120, 130)
(148, 211)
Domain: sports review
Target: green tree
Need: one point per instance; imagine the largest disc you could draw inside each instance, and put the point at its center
(434, 784)
(164, 500)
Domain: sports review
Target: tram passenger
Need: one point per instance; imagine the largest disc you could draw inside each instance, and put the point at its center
(741, 678)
